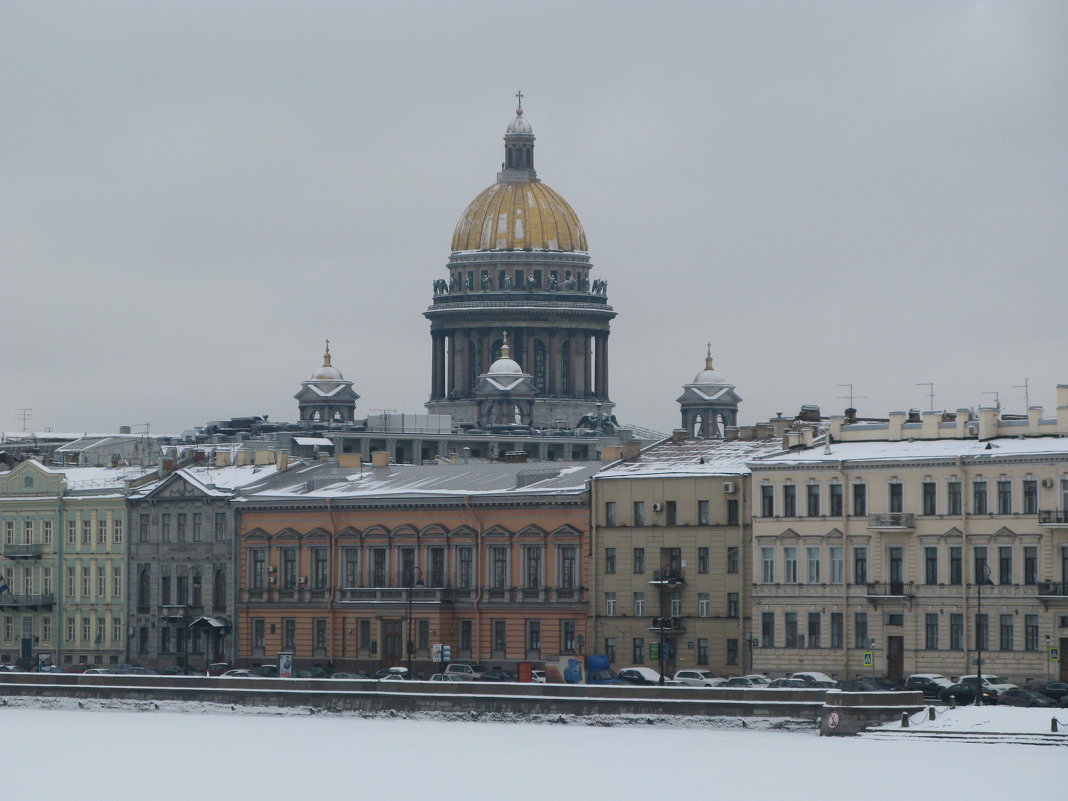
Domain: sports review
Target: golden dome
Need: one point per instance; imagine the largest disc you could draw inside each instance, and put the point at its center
(516, 215)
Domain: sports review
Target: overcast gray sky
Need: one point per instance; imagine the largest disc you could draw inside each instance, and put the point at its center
(194, 195)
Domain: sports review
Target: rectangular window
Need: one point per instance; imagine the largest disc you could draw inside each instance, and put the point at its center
(1031, 632)
(732, 512)
(1004, 497)
(790, 626)
(72, 532)
(767, 629)
(320, 568)
(953, 498)
(814, 635)
(289, 568)
(837, 565)
(165, 590)
(639, 513)
(9, 532)
(532, 554)
(378, 567)
(220, 527)
(610, 604)
(101, 582)
(981, 569)
(258, 631)
(27, 532)
(732, 651)
(767, 501)
(465, 635)
(465, 570)
(1006, 634)
(143, 528)
(46, 629)
(533, 635)
(837, 630)
(87, 629)
(567, 636)
(500, 636)
(931, 631)
(979, 506)
(860, 565)
(116, 532)
(180, 529)
(767, 565)
(814, 560)
(639, 604)
(930, 564)
(836, 500)
(670, 513)
(350, 567)
(929, 505)
(860, 630)
(860, 500)
(789, 500)
(116, 581)
(1030, 564)
(897, 498)
(610, 649)
(789, 560)
(289, 634)
(732, 604)
(609, 560)
(703, 518)
(437, 567)
(703, 605)
(1005, 564)
(732, 559)
(102, 532)
(422, 634)
(46, 581)
(165, 527)
(982, 639)
(956, 631)
(1030, 496)
(956, 565)
(86, 581)
(568, 555)
(812, 500)
(702, 651)
(637, 655)
(87, 532)
(702, 560)
(610, 513)
(498, 567)
(639, 560)
(198, 527)
(258, 568)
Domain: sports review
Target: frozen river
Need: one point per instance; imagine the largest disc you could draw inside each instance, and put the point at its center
(163, 755)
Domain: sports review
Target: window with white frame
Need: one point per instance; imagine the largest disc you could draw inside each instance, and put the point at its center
(813, 565)
(789, 559)
(639, 604)
(610, 604)
(703, 604)
(767, 565)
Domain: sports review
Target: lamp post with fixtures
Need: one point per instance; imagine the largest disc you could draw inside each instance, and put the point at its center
(984, 572)
(415, 579)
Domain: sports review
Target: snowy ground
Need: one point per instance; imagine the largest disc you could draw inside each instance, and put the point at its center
(134, 750)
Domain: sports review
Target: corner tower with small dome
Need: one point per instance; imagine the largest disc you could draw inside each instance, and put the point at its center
(327, 397)
(709, 403)
(519, 262)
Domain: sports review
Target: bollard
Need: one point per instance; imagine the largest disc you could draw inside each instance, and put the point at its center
(904, 720)
(952, 702)
(930, 713)
(1053, 725)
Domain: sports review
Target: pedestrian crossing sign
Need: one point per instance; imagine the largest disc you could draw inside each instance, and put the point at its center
(869, 659)
(1054, 654)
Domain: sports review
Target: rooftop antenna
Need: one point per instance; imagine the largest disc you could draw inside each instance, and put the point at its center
(997, 399)
(26, 414)
(1027, 393)
(851, 396)
(930, 393)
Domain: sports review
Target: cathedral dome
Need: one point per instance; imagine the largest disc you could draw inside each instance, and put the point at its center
(709, 375)
(519, 216)
(327, 372)
(505, 365)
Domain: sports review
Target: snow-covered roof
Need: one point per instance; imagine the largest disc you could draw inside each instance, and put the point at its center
(96, 477)
(695, 457)
(218, 482)
(971, 449)
(321, 442)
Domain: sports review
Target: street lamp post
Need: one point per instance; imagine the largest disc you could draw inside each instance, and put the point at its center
(980, 579)
(415, 579)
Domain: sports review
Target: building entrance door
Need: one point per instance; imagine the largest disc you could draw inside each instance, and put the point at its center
(391, 643)
(1063, 662)
(895, 657)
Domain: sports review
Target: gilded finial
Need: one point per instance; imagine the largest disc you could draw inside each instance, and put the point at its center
(326, 355)
(506, 352)
(708, 357)
(519, 104)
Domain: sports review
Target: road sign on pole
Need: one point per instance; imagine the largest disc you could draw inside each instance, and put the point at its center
(1054, 654)
(869, 659)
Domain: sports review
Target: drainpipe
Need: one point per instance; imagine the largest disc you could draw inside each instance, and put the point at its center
(592, 570)
(846, 500)
(333, 584)
(477, 646)
(964, 560)
(745, 596)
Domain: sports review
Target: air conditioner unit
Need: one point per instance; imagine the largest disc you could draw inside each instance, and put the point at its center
(272, 569)
(658, 507)
(271, 579)
(302, 580)
(1047, 482)
(729, 487)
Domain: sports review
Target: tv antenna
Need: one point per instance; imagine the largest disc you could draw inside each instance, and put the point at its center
(930, 393)
(997, 399)
(1027, 393)
(25, 414)
(850, 396)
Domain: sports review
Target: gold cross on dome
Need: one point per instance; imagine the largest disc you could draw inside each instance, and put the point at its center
(519, 100)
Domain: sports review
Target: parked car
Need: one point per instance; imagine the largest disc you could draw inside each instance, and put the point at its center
(537, 677)
(349, 674)
(793, 684)
(447, 677)
(469, 672)
(80, 667)
(181, 670)
(99, 671)
(698, 678)
(497, 674)
(218, 668)
(239, 673)
(1022, 697)
(930, 684)
(758, 679)
(744, 682)
(1055, 690)
(639, 675)
(858, 685)
(266, 671)
(995, 683)
(965, 693)
(814, 677)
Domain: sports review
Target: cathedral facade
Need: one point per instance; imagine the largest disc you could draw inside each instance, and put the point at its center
(520, 274)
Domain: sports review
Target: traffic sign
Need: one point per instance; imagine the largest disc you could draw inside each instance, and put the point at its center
(869, 659)
(1054, 654)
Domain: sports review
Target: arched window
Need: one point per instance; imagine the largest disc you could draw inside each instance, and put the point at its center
(218, 591)
(539, 367)
(142, 589)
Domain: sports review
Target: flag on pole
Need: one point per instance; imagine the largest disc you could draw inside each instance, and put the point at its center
(3, 586)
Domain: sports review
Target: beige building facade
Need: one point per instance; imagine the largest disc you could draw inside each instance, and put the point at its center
(669, 543)
(927, 541)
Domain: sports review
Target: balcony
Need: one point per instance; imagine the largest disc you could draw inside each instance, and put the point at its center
(8, 601)
(888, 589)
(668, 624)
(668, 576)
(525, 595)
(1055, 589)
(1053, 518)
(176, 613)
(23, 551)
(892, 521)
(395, 595)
